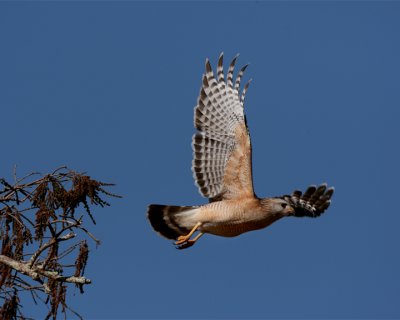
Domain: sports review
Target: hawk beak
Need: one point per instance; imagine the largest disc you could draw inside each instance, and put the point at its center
(291, 210)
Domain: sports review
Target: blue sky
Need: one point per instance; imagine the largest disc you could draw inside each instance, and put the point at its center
(109, 88)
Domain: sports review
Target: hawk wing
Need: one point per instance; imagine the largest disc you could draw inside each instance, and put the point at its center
(221, 147)
(311, 203)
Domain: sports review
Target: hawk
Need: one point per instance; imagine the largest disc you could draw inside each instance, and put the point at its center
(223, 172)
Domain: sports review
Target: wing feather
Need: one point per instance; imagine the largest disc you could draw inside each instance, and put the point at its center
(312, 203)
(229, 77)
(221, 148)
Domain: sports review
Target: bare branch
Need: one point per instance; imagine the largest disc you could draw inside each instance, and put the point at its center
(39, 214)
(35, 272)
(36, 255)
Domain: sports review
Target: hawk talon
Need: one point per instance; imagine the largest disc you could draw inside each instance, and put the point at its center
(185, 245)
(182, 239)
(185, 241)
(222, 171)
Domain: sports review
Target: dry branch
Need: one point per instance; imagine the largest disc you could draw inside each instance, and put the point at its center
(36, 272)
(38, 212)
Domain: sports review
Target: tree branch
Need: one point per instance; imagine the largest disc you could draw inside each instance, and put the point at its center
(38, 212)
(35, 272)
(36, 255)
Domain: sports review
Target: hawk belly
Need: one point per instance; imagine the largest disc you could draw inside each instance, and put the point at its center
(231, 218)
(223, 172)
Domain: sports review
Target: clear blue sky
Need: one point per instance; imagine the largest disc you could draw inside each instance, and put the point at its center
(109, 88)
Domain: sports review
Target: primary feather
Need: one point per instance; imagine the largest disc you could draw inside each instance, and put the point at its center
(220, 122)
(223, 172)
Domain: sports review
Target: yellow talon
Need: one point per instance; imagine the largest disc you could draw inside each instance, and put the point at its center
(188, 243)
(184, 242)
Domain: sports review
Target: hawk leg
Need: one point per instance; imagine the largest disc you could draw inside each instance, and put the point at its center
(189, 243)
(185, 242)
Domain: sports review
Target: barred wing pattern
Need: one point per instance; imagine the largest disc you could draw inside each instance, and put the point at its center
(222, 170)
(221, 149)
(311, 203)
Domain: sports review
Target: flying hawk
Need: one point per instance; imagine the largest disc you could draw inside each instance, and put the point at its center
(222, 170)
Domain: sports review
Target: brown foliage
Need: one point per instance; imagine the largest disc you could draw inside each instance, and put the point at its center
(42, 215)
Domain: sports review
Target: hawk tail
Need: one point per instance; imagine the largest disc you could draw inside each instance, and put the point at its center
(171, 221)
(312, 203)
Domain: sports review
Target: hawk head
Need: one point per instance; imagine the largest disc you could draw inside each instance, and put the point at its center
(281, 207)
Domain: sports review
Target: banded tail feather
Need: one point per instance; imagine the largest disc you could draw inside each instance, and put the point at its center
(171, 221)
(312, 203)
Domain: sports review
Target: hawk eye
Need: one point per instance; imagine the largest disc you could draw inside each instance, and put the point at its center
(284, 205)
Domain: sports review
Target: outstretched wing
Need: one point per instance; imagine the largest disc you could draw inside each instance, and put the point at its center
(221, 147)
(311, 203)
